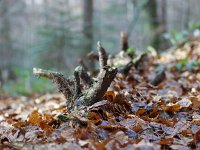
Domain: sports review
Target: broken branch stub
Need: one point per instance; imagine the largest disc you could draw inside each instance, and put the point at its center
(102, 56)
(77, 83)
(43, 73)
(99, 88)
(124, 41)
(87, 80)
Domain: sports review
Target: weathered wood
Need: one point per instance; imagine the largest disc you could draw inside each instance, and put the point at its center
(77, 85)
(102, 56)
(87, 80)
(88, 91)
(124, 41)
(98, 89)
(62, 82)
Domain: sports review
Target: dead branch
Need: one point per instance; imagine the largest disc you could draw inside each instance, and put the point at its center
(98, 89)
(62, 82)
(77, 83)
(102, 56)
(84, 76)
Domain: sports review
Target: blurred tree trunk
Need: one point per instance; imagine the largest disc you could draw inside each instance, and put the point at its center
(88, 25)
(6, 52)
(162, 19)
(45, 13)
(5, 36)
(187, 14)
(158, 15)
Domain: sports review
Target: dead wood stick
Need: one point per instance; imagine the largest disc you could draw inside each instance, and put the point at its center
(102, 56)
(97, 91)
(124, 41)
(59, 79)
(84, 76)
(77, 83)
(43, 73)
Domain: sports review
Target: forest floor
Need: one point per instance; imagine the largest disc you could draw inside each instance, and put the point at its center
(135, 113)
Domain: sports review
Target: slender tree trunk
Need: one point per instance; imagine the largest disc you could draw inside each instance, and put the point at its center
(187, 14)
(6, 49)
(88, 25)
(5, 36)
(162, 19)
(157, 14)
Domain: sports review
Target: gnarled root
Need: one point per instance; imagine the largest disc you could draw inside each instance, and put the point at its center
(82, 90)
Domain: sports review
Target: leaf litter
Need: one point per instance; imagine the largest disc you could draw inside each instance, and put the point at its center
(137, 112)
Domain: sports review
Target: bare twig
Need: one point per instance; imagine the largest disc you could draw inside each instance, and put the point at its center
(43, 73)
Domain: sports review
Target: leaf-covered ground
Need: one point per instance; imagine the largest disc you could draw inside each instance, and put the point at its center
(133, 114)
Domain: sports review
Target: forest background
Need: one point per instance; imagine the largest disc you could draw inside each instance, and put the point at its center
(55, 34)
